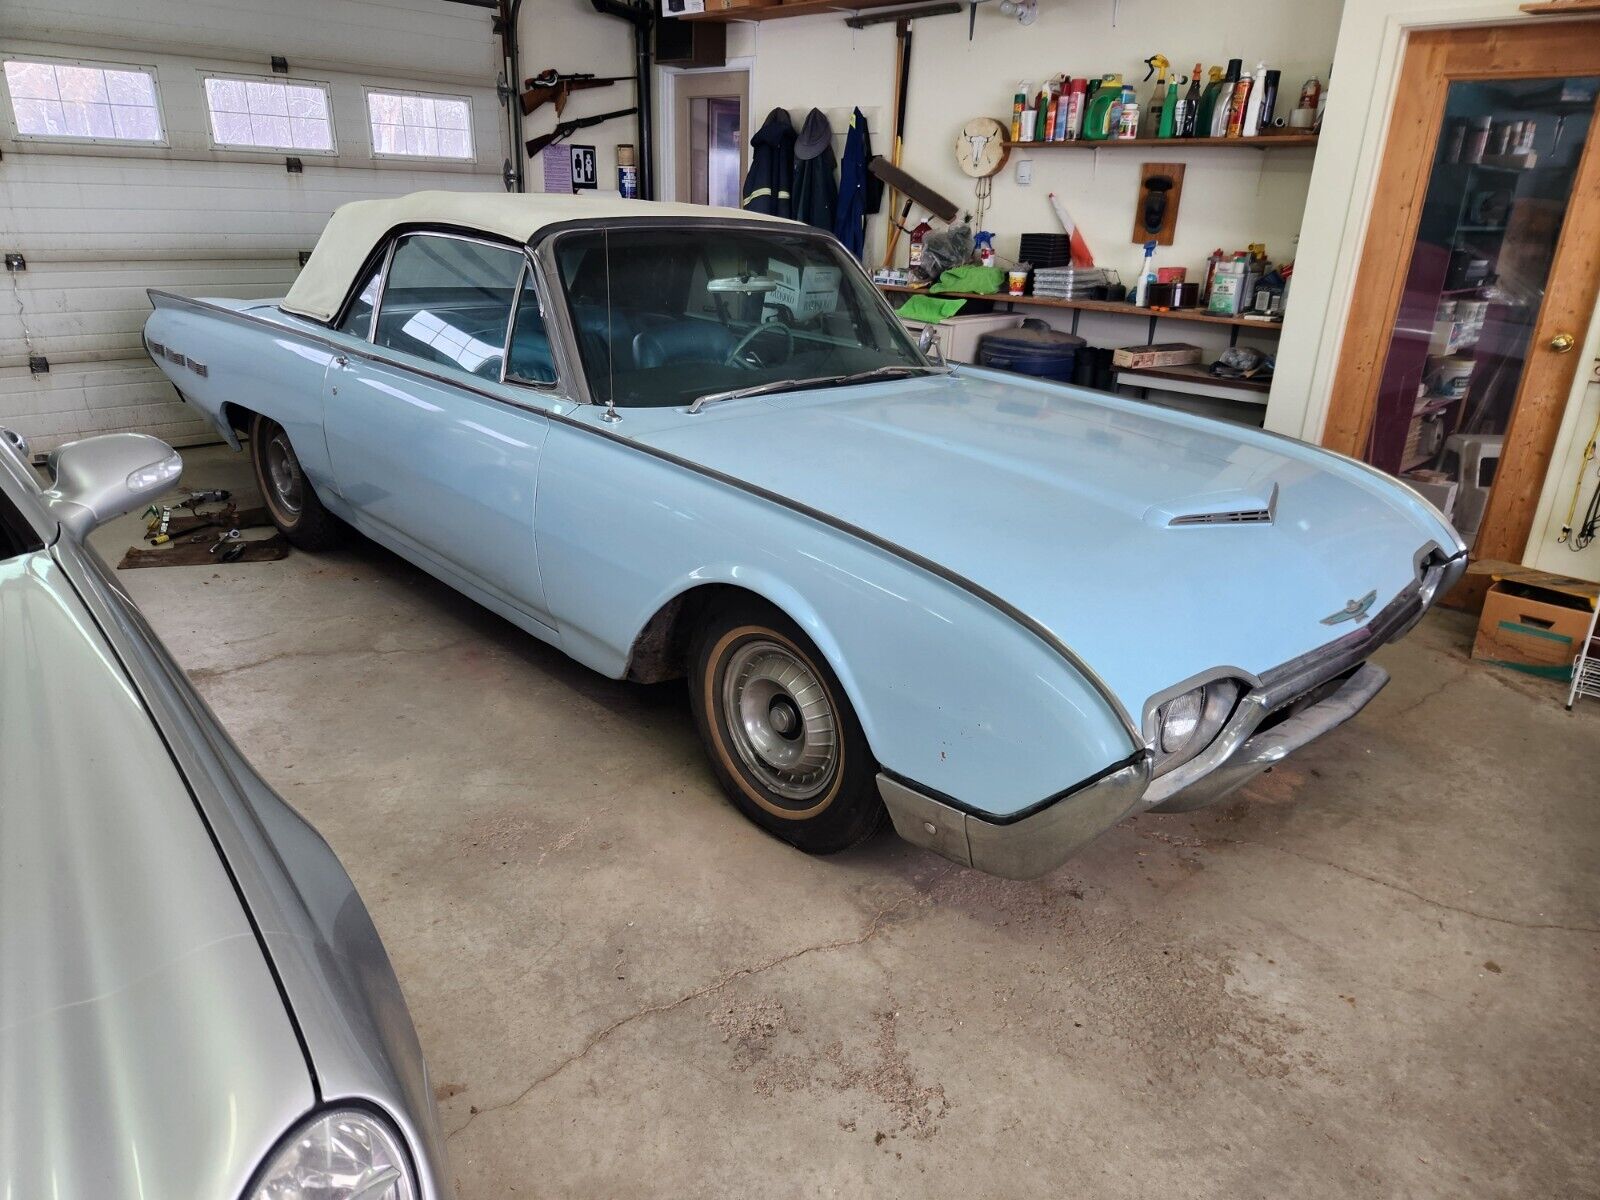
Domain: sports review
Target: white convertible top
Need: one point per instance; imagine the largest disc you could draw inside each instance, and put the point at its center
(354, 229)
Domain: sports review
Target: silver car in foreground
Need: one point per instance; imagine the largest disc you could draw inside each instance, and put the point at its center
(193, 1000)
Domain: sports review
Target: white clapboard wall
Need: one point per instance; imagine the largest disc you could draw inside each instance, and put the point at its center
(97, 225)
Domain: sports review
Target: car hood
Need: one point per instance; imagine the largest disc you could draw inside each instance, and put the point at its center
(144, 1047)
(1124, 528)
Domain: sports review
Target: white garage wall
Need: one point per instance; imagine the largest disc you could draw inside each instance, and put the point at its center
(100, 224)
(1230, 197)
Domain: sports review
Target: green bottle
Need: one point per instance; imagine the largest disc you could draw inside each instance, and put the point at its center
(1169, 112)
(1098, 122)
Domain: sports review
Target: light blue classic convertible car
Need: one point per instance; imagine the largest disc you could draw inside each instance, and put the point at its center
(679, 441)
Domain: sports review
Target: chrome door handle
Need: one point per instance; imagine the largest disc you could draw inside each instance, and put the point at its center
(1562, 342)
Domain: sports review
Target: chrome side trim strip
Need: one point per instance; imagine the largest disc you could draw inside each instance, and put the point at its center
(977, 590)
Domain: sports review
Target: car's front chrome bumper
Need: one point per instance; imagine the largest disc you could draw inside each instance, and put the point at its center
(1286, 708)
(1042, 840)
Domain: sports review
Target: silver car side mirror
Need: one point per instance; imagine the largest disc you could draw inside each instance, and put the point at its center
(98, 478)
(928, 343)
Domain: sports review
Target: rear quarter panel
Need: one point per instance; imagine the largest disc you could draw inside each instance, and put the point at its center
(271, 368)
(951, 693)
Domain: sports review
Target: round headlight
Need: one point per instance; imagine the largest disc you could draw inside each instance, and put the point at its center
(1180, 718)
(344, 1154)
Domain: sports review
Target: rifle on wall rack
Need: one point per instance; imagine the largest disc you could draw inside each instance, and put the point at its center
(566, 129)
(552, 86)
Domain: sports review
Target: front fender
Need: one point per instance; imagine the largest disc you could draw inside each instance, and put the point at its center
(951, 693)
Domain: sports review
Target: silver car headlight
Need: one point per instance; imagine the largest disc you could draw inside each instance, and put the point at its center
(340, 1154)
(1186, 724)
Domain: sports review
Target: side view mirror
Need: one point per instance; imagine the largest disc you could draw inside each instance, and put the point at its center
(928, 343)
(98, 478)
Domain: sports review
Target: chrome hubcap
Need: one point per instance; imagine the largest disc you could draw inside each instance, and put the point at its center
(284, 474)
(782, 725)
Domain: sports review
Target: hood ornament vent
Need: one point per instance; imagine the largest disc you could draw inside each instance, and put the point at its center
(1244, 516)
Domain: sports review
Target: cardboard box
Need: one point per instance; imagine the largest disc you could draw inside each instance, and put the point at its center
(682, 8)
(724, 5)
(1531, 628)
(806, 294)
(1158, 354)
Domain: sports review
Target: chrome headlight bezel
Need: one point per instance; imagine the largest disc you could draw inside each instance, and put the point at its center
(343, 1138)
(1183, 725)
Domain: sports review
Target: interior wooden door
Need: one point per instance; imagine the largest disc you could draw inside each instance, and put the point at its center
(1479, 272)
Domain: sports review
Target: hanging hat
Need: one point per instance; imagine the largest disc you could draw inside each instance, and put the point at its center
(816, 135)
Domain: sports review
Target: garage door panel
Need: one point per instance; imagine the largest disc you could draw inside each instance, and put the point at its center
(99, 226)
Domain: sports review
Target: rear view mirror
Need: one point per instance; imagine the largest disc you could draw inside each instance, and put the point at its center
(99, 478)
(742, 285)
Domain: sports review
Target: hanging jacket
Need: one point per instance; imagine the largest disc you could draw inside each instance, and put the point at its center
(850, 214)
(816, 191)
(769, 184)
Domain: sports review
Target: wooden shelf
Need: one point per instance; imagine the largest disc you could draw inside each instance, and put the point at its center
(1116, 307)
(1266, 141)
(794, 8)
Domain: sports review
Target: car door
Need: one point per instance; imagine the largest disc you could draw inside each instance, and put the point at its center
(431, 455)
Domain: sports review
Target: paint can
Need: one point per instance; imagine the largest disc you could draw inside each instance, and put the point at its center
(627, 172)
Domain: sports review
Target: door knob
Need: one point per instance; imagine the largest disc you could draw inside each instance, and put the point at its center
(1562, 342)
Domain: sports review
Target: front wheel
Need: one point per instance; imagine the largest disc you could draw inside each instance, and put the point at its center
(291, 500)
(783, 740)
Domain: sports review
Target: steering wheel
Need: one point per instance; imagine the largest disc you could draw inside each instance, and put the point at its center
(745, 355)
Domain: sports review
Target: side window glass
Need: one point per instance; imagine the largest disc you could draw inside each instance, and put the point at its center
(531, 360)
(449, 301)
(358, 321)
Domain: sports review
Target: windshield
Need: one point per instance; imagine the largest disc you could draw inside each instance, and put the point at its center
(665, 316)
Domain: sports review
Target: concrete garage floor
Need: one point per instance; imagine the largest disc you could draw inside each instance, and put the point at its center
(1373, 973)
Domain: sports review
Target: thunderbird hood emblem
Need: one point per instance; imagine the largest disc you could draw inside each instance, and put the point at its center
(1353, 610)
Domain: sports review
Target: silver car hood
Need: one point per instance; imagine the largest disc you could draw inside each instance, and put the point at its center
(145, 1049)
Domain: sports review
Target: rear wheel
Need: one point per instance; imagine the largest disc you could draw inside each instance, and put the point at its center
(783, 740)
(291, 500)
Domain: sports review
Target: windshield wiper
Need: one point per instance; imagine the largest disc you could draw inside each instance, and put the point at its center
(788, 385)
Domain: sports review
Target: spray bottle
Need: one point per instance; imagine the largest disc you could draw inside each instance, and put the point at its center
(1019, 104)
(1252, 104)
(1147, 275)
(1157, 65)
(1041, 112)
(1269, 99)
(1167, 126)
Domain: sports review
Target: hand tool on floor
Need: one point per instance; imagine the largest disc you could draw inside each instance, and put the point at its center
(553, 87)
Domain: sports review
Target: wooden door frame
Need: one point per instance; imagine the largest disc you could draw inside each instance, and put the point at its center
(667, 114)
(1430, 62)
